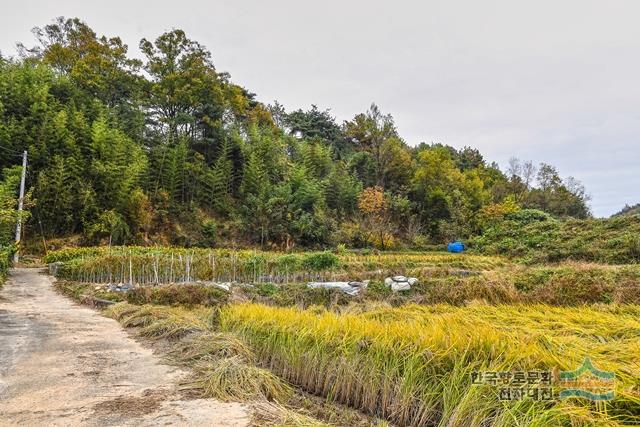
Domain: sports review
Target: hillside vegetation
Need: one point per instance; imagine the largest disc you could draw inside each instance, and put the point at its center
(629, 210)
(169, 150)
(536, 237)
(8, 215)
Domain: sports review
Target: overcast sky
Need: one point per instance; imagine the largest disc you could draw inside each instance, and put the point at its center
(553, 81)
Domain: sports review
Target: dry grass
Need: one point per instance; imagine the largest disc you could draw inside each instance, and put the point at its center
(232, 378)
(122, 311)
(210, 345)
(276, 415)
(149, 402)
(222, 364)
(160, 322)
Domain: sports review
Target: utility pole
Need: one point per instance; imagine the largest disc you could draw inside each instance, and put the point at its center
(20, 203)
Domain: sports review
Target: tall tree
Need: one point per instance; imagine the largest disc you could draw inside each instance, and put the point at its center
(97, 65)
(319, 125)
(9, 181)
(375, 133)
(185, 93)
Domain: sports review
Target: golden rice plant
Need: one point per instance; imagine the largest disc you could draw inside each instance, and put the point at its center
(412, 365)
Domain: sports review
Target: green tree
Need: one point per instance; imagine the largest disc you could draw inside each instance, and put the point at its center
(98, 66)
(318, 125)
(140, 214)
(57, 198)
(341, 191)
(9, 182)
(112, 225)
(220, 181)
(116, 167)
(186, 96)
(445, 196)
(375, 133)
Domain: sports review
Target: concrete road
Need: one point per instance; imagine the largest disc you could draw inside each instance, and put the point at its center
(62, 364)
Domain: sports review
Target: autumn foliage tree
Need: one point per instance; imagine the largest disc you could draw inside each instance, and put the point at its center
(373, 205)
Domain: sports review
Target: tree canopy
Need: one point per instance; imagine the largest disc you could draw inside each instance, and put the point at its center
(168, 149)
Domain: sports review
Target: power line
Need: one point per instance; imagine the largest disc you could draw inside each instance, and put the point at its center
(9, 150)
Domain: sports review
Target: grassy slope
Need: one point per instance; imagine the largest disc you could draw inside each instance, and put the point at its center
(534, 237)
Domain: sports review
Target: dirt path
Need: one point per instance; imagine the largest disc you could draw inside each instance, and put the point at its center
(64, 365)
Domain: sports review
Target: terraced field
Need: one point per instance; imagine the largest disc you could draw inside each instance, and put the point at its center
(408, 358)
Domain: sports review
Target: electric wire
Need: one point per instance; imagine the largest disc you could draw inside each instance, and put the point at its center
(9, 150)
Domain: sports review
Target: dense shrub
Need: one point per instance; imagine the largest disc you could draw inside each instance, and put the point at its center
(173, 295)
(320, 261)
(85, 292)
(170, 295)
(209, 233)
(576, 284)
(288, 263)
(5, 262)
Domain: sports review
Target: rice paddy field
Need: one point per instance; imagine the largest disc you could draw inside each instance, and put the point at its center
(170, 265)
(382, 357)
(413, 365)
